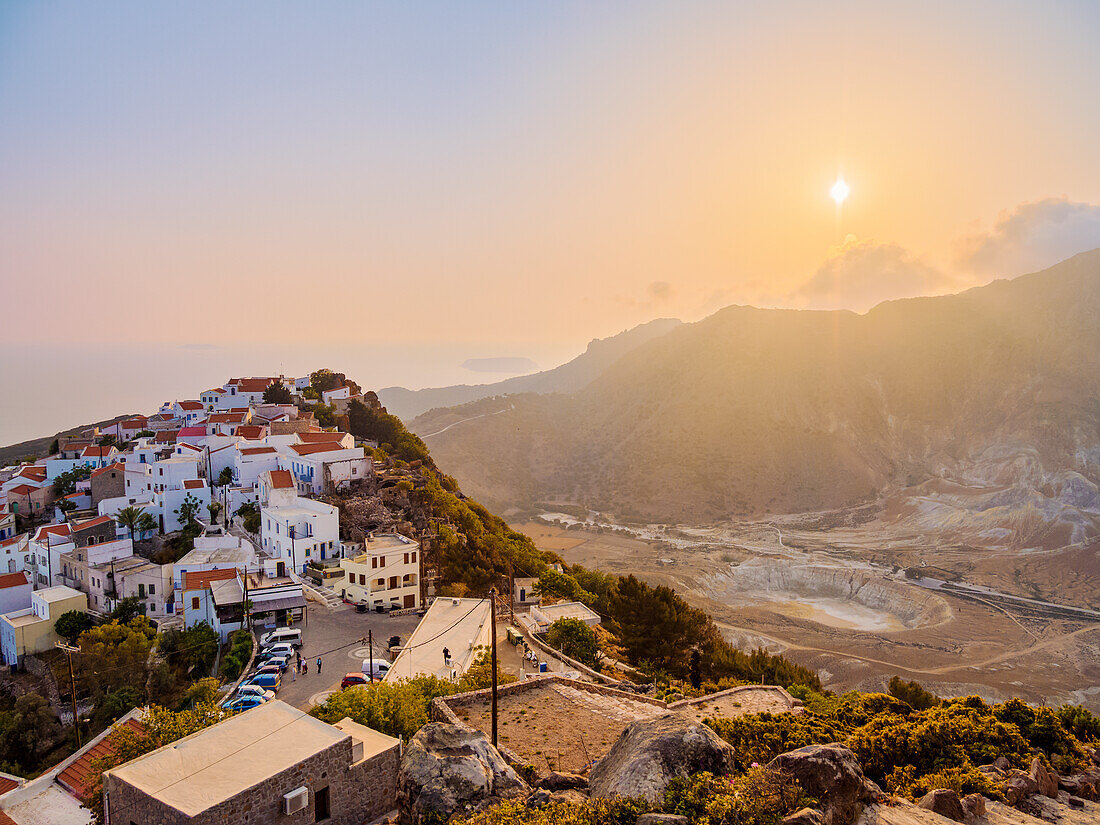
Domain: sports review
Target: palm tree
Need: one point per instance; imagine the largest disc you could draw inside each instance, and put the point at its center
(131, 518)
(146, 522)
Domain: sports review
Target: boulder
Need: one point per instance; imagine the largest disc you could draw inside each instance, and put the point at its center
(650, 753)
(1018, 787)
(974, 805)
(450, 768)
(661, 819)
(806, 816)
(574, 797)
(832, 774)
(944, 802)
(563, 781)
(1002, 764)
(1044, 777)
(1075, 802)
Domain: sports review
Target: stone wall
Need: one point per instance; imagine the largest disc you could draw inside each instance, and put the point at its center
(356, 795)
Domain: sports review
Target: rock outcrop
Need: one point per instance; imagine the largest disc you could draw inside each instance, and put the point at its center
(944, 802)
(832, 774)
(449, 768)
(651, 752)
(1044, 778)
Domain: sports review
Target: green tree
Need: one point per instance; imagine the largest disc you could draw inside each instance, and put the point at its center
(214, 507)
(277, 393)
(55, 447)
(225, 477)
(324, 380)
(575, 639)
(191, 650)
(145, 434)
(913, 694)
(395, 708)
(33, 731)
(115, 655)
(146, 523)
(65, 483)
(107, 441)
(72, 623)
(187, 510)
(561, 586)
(128, 609)
(250, 515)
(130, 518)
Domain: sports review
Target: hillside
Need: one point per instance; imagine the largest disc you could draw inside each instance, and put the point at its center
(755, 411)
(40, 446)
(569, 377)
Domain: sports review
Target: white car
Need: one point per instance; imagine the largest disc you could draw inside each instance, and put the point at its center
(256, 690)
(381, 668)
(278, 649)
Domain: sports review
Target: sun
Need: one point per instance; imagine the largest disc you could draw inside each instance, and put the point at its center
(839, 191)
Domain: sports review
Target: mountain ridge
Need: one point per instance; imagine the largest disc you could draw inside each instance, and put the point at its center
(752, 411)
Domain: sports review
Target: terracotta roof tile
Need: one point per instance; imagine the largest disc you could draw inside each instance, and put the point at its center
(77, 778)
(96, 522)
(199, 579)
(310, 449)
(13, 580)
(281, 479)
(257, 450)
(316, 438)
(250, 431)
(193, 484)
(118, 465)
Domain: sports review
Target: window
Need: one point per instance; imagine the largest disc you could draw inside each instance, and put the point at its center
(412, 556)
(393, 582)
(152, 590)
(383, 562)
(320, 804)
(194, 602)
(406, 559)
(374, 562)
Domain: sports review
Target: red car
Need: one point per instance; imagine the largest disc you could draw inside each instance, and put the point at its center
(352, 679)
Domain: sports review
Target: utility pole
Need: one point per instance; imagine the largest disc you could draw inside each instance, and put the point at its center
(493, 625)
(370, 653)
(70, 650)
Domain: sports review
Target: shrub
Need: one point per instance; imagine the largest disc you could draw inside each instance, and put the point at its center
(240, 650)
(761, 796)
(595, 812)
(913, 694)
(576, 639)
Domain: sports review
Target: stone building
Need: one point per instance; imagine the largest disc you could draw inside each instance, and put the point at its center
(272, 764)
(108, 482)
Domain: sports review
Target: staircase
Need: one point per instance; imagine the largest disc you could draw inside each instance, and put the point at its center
(327, 597)
(174, 621)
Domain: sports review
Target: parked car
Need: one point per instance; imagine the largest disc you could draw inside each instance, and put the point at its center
(281, 662)
(352, 679)
(242, 703)
(248, 689)
(282, 634)
(381, 668)
(278, 649)
(271, 681)
(270, 669)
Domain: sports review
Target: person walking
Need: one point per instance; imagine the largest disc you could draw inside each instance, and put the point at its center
(318, 665)
(305, 668)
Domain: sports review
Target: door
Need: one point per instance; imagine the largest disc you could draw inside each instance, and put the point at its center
(410, 600)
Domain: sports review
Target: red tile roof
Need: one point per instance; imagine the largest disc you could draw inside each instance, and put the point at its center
(250, 431)
(310, 449)
(191, 431)
(216, 389)
(23, 490)
(167, 436)
(199, 579)
(193, 484)
(253, 384)
(118, 465)
(77, 778)
(32, 472)
(190, 405)
(316, 438)
(257, 450)
(53, 529)
(96, 522)
(281, 479)
(13, 580)
(97, 451)
(5, 786)
(12, 540)
(226, 418)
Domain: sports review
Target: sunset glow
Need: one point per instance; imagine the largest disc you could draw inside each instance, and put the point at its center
(839, 192)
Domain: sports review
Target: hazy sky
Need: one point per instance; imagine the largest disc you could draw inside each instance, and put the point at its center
(517, 178)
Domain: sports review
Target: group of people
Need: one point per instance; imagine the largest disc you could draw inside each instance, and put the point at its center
(302, 666)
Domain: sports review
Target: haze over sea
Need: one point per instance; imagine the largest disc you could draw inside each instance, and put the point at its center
(55, 387)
